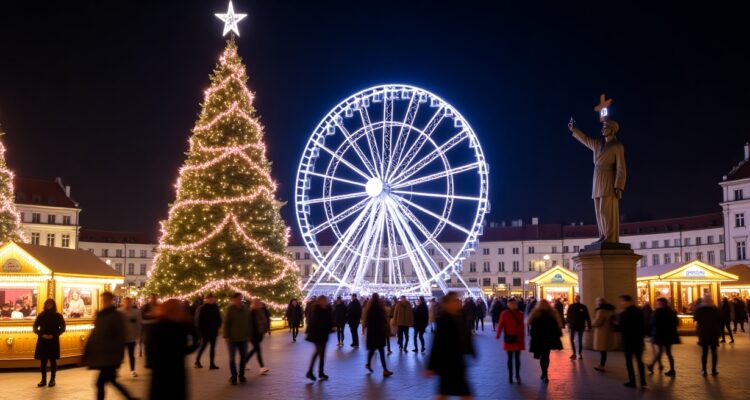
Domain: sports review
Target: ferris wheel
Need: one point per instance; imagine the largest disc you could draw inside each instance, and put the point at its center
(390, 194)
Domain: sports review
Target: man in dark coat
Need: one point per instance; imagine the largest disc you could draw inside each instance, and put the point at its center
(353, 316)
(578, 321)
(208, 322)
(48, 327)
(740, 314)
(421, 318)
(470, 313)
(320, 325)
(339, 320)
(631, 326)
(104, 347)
(451, 344)
(726, 320)
(495, 311)
(709, 323)
(481, 313)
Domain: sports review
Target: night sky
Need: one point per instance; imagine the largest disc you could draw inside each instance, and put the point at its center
(104, 93)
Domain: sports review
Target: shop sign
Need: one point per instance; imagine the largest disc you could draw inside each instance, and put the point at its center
(695, 271)
(12, 265)
(557, 278)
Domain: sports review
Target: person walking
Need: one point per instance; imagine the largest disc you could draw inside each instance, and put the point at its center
(294, 315)
(497, 308)
(604, 331)
(376, 329)
(514, 341)
(578, 321)
(104, 347)
(353, 316)
(173, 336)
(339, 320)
(421, 317)
(433, 314)
(236, 331)
(545, 332)
(481, 313)
(403, 318)
(726, 320)
(389, 315)
(132, 319)
(260, 324)
(664, 334)
(147, 319)
(208, 322)
(470, 313)
(560, 308)
(451, 344)
(710, 325)
(740, 314)
(48, 326)
(319, 327)
(630, 324)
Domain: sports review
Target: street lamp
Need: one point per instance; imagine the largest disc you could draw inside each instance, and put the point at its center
(546, 261)
(526, 282)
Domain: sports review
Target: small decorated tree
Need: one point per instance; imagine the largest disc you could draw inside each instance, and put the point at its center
(10, 219)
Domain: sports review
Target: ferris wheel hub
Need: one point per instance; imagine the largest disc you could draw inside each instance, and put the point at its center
(374, 187)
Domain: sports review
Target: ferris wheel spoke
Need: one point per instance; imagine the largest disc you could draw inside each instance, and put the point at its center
(410, 170)
(403, 134)
(432, 214)
(430, 237)
(357, 257)
(405, 241)
(438, 175)
(392, 245)
(415, 147)
(334, 253)
(421, 267)
(333, 198)
(370, 135)
(335, 178)
(387, 129)
(339, 217)
(365, 160)
(438, 195)
(343, 161)
(374, 239)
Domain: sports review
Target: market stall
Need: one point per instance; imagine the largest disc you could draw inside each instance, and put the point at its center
(741, 287)
(683, 284)
(557, 282)
(30, 274)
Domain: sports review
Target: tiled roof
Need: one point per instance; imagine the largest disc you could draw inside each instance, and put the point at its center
(69, 261)
(741, 171)
(102, 236)
(42, 192)
(741, 270)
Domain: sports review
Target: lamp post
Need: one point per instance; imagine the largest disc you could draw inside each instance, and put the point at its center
(526, 282)
(546, 260)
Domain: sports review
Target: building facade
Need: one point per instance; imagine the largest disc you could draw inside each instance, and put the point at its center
(129, 253)
(49, 216)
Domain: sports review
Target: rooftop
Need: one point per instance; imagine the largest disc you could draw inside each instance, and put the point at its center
(69, 261)
(43, 192)
(104, 236)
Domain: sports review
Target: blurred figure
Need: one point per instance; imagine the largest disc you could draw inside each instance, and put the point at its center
(451, 343)
(403, 318)
(631, 326)
(560, 308)
(740, 314)
(236, 331)
(104, 347)
(497, 308)
(147, 319)
(433, 313)
(481, 313)
(578, 321)
(514, 341)
(339, 320)
(132, 319)
(709, 326)
(530, 305)
(319, 327)
(470, 313)
(389, 316)
(294, 315)
(173, 336)
(421, 316)
(376, 329)
(664, 334)
(604, 331)
(545, 331)
(48, 326)
(208, 322)
(726, 320)
(353, 316)
(260, 324)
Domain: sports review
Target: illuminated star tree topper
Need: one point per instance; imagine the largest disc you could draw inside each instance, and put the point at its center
(230, 20)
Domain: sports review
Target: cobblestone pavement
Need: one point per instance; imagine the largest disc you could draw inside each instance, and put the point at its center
(349, 380)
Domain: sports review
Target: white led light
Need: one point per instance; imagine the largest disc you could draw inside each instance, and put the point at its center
(230, 20)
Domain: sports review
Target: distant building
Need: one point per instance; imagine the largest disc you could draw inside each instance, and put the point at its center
(49, 216)
(129, 253)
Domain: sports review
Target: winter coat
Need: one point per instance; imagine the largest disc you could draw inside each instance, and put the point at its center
(172, 341)
(470, 311)
(545, 333)
(375, 323)
(529, 306)
(578, 317)
(496, 309)
(132, 320)
(48, 323)
(740, 312)
(421, 317)
(208, 320)
(726, 311)
(320, 324)
(106, 341)
(709, 325)
(236, 324)
(452, 341)
(339, 314)
(511, 322)
(434, 312)
(604, 328)
(481, 309)
(294, 315)
(630, 324)
(260, 323)
(354, 313)
(664, 323)
(648, 313)
(403, 314)
(560, 308)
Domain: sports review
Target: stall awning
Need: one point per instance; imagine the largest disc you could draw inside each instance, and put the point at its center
(31, 259)
(743, 273)
(695, 270)
(556, 276)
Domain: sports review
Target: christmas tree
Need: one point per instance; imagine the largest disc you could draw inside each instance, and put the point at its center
(10, 220)
(224, 232)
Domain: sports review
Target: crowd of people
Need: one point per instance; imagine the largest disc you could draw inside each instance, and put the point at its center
(521, 323)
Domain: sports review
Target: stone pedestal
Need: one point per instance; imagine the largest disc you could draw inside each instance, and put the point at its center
(607, 270)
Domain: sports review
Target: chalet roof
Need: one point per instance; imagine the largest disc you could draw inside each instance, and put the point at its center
(69, 261)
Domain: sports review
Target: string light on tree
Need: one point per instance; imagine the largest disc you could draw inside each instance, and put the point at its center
(10, 219)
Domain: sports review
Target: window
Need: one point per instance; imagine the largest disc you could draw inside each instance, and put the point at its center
(486, 281)
(143, 269)
(501, 266)
(721, 238)
(655, 259)
(118, 268)
(722, 256)
(51, 218)
(667, 258)
(307, 256)
(688, 256)
(516, 281)
(501, 280)
(738, 194)
(644, 262)
(576, 249)
(677, 243)
(711, 257)
(531, 249)
(655, 244)
(66, 219)
(643, 245)
(739, 220)
(486, 266)
(131, 269)
(118, 253)
(307, 270)
(105, 252)
(65, 241)
(486, 252)
(35, 238)
(472, 267)
(554, 263)
(472, 280)
(23, 217)
(91, 251)
(531, 265)
(687, 241)
(666, 242)
(51, 239)
(143, 254)
(516, 266)
(296, 255)
(500, 251)
(676, 257)
(36, 218)
(699, 256)
(515, 250)
(432, 252)
(740, 249)
(710, 239)
(131, 253)
(554, 249)
(698, 241)
(566, 264)
(566, 249)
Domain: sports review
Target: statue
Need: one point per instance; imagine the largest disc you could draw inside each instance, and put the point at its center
(609, 173)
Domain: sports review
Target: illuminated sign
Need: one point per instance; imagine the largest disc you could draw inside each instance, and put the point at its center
(12, 265)
(557, 278)
(695, 271)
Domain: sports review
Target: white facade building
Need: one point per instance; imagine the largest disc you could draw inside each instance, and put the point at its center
(48, 215)
(129, 253)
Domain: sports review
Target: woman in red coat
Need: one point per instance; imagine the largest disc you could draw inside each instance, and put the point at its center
(511, 321)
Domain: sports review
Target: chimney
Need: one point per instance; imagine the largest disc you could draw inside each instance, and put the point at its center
(747, 151)
(67, 190)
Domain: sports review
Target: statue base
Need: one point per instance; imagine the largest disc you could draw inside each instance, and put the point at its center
(607, 270)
